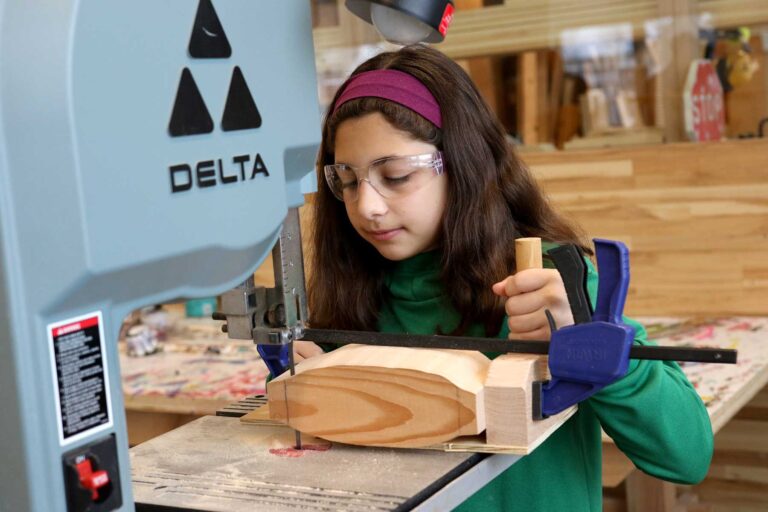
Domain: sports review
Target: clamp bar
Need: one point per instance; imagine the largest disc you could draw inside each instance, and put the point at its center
(339, 337)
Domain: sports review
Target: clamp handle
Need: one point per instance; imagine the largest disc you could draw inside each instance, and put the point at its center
(569, 262)
(613, 264)
(586, 357)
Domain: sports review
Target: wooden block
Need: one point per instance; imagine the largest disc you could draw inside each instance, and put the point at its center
(594, 105)
(508, 386)
(384, 396)
(508, 402)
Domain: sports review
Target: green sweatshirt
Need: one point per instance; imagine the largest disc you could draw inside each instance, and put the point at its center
(652, 413)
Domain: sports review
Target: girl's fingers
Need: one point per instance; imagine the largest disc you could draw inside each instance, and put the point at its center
(524, 304)
(525, 281)
(306, 349)
(528, 322)
(541, 334)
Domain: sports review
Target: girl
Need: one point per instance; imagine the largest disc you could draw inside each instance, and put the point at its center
(419, 202)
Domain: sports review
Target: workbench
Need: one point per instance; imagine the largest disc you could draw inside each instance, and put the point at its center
(198, 371)
(724, 389)
(199, 375)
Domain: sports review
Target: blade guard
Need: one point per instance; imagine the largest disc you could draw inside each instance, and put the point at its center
(586, 357)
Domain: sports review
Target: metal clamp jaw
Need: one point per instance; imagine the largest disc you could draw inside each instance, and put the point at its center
(272, 317)
(587, 356)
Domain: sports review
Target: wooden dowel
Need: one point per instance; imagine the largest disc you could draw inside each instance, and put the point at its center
(528, 253)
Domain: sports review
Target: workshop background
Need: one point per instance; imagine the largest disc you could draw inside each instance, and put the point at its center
(646, 122)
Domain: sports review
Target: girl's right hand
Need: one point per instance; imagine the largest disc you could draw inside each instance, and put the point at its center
(304, 350)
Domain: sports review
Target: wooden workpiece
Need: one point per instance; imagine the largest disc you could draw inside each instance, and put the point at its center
(415, 397)
(508, 386)
(384, 396)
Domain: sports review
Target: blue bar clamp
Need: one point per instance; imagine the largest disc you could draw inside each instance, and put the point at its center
(594, 352)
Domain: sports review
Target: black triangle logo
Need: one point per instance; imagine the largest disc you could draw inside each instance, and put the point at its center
(190, 115)
(208, 40)
(241, 112)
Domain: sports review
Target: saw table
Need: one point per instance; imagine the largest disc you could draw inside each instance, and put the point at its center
(216, 463)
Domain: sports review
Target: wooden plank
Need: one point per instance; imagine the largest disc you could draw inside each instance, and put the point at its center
(743, 436)
(646, 493)
(520, 25)
(464, 444)
(732, 496)
(543, 112)
(678, 46)
(486, 74)
(143, 426)
(668, 203)
(557, 74)
(384, 396)
(485, 71)
(756, 409)
(616, 466)
(528, 98)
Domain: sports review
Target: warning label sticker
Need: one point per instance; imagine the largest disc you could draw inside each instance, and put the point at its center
(80, 376)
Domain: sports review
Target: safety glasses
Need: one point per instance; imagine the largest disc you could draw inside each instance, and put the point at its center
(391, 177)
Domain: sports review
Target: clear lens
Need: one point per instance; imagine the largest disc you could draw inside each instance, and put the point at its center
(391, 177)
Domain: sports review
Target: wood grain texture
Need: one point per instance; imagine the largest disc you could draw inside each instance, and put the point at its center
(508, 385)
(508, 402)
(694, 216)
(474, 444)
(384, 396)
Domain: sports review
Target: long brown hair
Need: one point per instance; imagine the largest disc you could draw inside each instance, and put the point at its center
(492, 200)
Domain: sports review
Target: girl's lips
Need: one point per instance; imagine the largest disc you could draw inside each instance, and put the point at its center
(385, 235)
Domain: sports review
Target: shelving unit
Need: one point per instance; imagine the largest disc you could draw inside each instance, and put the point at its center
(512, 49)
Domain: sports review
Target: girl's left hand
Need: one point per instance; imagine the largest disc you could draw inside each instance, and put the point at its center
(529, 292)
(304, 350)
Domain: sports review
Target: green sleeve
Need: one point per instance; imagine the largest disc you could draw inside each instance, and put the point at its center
(654, 415)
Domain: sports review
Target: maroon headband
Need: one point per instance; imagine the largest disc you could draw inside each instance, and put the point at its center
(393, 85)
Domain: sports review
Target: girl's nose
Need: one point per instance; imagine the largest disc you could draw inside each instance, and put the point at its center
(370, 203)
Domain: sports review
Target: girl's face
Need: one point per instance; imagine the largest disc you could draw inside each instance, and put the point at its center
(397, 228)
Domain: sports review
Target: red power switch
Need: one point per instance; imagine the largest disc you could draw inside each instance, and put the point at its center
(90, 479)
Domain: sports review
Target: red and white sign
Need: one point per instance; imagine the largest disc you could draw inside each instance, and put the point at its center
(80, 376)
(703, 103)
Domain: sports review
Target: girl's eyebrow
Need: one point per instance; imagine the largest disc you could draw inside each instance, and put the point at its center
(378, 160)
(375, 161)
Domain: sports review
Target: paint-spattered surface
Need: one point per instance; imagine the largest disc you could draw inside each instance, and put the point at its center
(197, 363)
(724, 388)
(219, 464)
